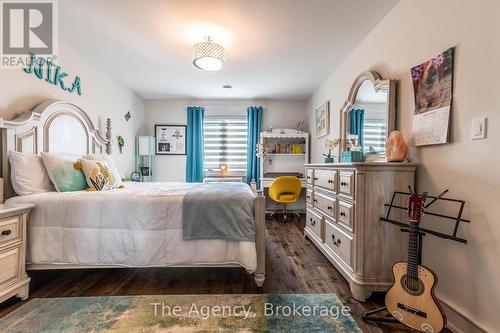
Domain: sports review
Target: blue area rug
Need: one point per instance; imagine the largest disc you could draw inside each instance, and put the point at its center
(183, 313)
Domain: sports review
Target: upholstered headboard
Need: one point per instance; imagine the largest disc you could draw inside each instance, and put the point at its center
(53, 126)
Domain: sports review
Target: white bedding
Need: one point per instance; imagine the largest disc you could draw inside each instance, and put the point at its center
(140, 226)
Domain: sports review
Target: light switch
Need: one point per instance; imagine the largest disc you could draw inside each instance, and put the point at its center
(479, 128)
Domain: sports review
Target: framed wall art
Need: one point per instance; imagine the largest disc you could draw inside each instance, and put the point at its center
(170, 139)
(322, 120)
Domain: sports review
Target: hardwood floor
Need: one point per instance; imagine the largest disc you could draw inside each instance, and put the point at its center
(294, 265)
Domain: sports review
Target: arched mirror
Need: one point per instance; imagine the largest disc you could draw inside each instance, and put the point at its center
(369, 115)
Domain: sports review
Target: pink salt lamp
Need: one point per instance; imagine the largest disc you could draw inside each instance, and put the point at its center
(396, 147)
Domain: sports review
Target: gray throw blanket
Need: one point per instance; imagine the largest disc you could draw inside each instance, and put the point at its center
(219, 211)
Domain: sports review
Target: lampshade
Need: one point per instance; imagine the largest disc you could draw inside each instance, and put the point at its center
(208, 55)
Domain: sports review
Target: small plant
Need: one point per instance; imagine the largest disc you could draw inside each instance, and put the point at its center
(331, 144)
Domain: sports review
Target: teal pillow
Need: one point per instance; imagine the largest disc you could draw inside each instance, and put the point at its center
(62, 172)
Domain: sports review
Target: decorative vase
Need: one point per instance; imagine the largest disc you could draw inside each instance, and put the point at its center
(396, 148)
(329, 160)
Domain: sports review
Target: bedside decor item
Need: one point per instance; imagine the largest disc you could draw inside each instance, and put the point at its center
(223, 170)
(330, 144)
(13, 225)
(170, 139)
(135, 177)
(396, 147)
(432, 88)
(322, 120)
(121, 143)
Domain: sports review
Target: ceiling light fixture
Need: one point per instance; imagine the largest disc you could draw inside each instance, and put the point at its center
(227, 86)
(208, 55)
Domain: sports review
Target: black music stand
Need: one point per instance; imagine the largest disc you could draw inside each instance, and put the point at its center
(405, 227)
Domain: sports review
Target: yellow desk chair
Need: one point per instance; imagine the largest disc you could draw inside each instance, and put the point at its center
(285, 189)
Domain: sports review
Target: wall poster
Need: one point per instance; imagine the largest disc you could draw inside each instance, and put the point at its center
(170, 139)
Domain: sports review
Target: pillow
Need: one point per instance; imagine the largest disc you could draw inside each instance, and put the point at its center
(98, 175)
(111, 164)
(28, 174)
(62, 172)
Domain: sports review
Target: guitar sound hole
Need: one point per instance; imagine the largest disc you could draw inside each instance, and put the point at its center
(412, 286)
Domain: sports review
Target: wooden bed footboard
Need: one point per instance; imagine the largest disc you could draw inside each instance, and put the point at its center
(260, 237)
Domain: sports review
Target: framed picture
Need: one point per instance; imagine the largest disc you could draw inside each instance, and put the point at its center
(322, 120)
(170, 139)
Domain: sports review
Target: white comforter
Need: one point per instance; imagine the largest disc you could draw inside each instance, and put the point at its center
(139, 226)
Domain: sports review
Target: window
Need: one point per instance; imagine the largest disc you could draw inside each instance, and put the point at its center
(225, 142)
(375, 135)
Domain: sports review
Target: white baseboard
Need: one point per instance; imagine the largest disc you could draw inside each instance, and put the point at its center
(457, 322)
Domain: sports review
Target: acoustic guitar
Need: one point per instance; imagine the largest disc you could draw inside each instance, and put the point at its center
(411, 299)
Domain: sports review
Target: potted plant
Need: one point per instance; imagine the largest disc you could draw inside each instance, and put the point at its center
(330, 144)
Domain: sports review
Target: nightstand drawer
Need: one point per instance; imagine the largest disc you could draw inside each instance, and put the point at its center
(313, 222)
(10, 230)
(9, 263)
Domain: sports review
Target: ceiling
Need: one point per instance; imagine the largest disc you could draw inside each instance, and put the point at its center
(274, 48)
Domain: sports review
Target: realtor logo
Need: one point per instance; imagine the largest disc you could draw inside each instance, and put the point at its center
(27, 27)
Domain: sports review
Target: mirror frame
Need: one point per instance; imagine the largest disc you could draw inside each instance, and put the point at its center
(388, 86)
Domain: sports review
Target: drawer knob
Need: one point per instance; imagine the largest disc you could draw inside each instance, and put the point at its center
(344, 183)
(333, 238)
(315, 200)
(329, 207)
(313, 223)
(342, 214)
(330, 181)
(337, 243)
(6, 232)
(308, 177)
(315, 178)
(308, 197)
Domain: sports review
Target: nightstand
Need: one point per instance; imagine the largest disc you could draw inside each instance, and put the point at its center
(13, 278)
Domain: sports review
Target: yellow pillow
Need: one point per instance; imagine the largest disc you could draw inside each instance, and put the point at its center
(98, 175)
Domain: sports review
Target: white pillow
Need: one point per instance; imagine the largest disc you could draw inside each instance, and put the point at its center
(111, 164)
(28, 174)
(62, 172)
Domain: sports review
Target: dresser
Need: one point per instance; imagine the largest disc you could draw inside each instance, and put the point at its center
(344, 206)
(13, 278)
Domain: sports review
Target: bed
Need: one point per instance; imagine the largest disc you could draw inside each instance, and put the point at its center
(140, 225)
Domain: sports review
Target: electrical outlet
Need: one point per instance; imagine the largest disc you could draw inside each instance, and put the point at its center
(478, 129)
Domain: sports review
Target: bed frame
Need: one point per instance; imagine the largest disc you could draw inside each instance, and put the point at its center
(62, 127)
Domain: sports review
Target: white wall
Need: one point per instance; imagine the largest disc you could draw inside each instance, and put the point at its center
(277, 113)
(102, 97)
(410, 34)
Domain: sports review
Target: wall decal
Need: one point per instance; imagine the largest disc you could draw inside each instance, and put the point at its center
(53, 74)
(128, 116)
(121, 143)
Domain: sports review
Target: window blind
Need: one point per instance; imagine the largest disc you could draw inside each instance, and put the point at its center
(225, 142)
(375, 134)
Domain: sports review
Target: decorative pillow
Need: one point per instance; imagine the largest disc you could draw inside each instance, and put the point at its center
(98, 175)
(111, 165)
(28, 174)
(62, 172)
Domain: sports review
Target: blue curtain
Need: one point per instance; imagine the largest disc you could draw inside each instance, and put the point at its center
(357, 124)
(194, 149)
(254, 117)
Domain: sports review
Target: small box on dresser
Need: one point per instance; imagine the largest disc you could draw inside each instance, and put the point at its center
(13, 224)
(346, 201)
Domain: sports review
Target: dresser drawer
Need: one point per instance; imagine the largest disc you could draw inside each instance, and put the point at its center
(326, 179)
(9, 263)
(339, 242)
(313, 222)
(309, 176)
(10, 230)
(346, 183)
(309, 197)
(326, 204)
(346, 214)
